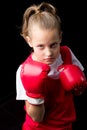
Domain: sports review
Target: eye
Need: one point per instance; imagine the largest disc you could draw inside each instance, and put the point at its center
(53, 45)
(40, 46)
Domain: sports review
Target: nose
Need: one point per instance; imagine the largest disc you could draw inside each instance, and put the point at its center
(48, 52)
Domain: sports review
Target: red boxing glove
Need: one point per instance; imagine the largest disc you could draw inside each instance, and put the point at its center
(33, 75)
(72, 77)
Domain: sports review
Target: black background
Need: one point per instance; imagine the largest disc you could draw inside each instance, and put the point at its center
(14, 50)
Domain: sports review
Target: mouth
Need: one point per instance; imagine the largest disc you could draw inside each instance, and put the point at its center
(49, 60)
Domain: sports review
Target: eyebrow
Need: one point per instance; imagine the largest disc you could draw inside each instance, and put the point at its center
(42, 44)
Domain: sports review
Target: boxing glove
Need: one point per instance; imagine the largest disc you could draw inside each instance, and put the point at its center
(71, 77)
(33, 76)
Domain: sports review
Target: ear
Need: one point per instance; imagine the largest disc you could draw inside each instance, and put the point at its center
(28, 40)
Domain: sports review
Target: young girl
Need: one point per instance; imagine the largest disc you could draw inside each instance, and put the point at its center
(43, 80)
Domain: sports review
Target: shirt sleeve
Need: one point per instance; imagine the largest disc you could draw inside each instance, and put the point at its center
(21, 93)
(75, 61)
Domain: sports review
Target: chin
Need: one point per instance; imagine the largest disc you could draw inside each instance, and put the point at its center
(49, 63)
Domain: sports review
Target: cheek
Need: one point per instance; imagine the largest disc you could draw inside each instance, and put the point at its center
(56, 51)
(38, 53)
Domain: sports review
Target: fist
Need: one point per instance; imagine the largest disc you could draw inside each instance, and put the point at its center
(33, 76)
(71, 77)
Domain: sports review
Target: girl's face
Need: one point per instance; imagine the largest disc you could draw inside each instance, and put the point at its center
(45, 43)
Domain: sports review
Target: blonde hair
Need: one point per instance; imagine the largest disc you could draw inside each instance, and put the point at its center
(44, 15)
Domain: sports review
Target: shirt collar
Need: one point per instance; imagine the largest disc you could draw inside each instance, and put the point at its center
(54, 73)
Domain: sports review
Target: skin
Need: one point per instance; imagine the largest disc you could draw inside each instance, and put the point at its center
(36, 112)
(46, 46)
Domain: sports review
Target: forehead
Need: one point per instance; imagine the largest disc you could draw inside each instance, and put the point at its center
(40, 34)
(38, 27)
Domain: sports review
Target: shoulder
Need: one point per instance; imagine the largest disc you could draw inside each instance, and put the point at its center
(69, 56)
(66, 54)
(64, 49)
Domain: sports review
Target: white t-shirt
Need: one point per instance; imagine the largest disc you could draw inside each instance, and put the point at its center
(20, 91)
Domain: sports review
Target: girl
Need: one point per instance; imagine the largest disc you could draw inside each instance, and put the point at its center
(48, 105)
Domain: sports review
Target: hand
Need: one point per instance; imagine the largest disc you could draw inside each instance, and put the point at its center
(72, 77)
(33, 76)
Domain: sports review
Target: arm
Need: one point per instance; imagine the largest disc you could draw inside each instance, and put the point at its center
(36, 112)
(34, 103)
(33, 76)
